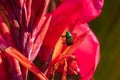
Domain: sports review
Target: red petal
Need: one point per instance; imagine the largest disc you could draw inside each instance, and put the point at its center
(88, 55)
(70, 10)
(39, 8)
(3, 68)
(65, 14)
(39, 39)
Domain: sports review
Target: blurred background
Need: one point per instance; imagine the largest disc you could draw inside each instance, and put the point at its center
(107, 29)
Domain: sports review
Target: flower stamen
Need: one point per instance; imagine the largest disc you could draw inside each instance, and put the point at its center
(65, 70)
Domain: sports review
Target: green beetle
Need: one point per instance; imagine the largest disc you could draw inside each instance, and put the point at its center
(69, 38)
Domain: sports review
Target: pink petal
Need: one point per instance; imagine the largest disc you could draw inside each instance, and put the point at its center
(88, 55)
(70, 10)
(65, 14)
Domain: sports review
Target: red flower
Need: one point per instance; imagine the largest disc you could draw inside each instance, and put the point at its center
(88, 55)
(61, 39)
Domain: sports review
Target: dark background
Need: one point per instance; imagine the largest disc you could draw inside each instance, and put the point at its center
(107, 29)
